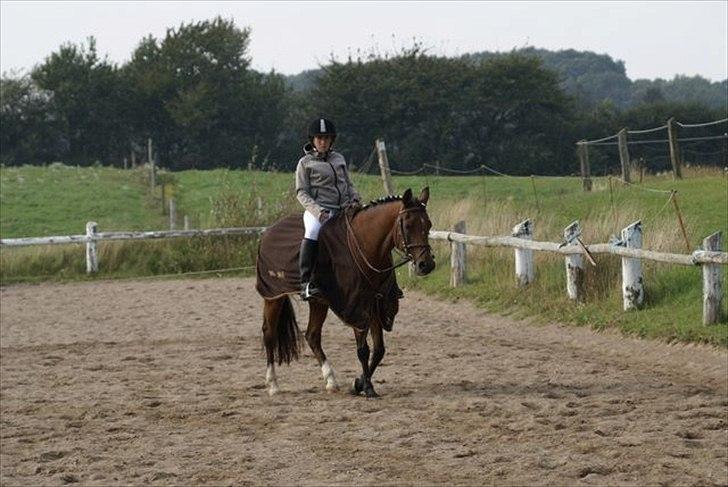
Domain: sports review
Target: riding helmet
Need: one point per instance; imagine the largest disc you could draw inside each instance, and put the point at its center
(321, 126)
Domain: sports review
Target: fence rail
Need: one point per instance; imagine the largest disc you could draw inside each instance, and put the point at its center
(710, 257)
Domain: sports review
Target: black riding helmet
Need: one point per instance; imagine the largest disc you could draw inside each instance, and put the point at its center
(321, 126)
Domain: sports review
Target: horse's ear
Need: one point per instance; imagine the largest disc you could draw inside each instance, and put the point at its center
(424, 195)
(407, 197)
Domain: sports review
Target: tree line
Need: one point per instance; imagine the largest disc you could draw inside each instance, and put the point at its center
(194, 93)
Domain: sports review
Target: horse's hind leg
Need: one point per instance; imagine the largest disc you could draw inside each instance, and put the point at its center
(316, 317)
(271, 314)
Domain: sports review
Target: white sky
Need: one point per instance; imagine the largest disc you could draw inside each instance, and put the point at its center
(655, 39)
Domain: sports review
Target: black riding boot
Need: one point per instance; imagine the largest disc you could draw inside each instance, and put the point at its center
(306, 262)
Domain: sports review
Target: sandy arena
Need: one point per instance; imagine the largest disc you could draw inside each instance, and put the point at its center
(162, 382)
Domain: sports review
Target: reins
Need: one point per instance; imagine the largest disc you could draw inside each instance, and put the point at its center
(407, 255)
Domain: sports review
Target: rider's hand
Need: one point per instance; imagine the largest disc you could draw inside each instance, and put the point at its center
(354, 205)
(325, 214)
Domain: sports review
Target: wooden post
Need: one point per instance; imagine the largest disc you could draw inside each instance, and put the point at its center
(150, 158)
(172, 214)
(674, 149)
(583, 150)
(680, 220)
(133, 159)
(633, 290)
(535, 195)
(187, 222)
(384, 167)
(624, 155)
(259, 207)
(92, 256)
(574, 265)
(712, 279)
(524, 257)
(163, 189)
(126, 163)
(457, 257)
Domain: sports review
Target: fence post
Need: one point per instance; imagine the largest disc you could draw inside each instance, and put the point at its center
(633, 291)
(674, 149)
(624, 155)
(187, 222)
(384, 166)
(152, 176)
(583, 150)
(92, 257)
(712, 292)
(457, 257)
(574, 265)
(524, 257)
(172, 214)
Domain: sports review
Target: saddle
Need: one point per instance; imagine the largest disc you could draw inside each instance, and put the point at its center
(349, 295)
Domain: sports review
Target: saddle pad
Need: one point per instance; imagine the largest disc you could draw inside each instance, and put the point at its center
(351, 297)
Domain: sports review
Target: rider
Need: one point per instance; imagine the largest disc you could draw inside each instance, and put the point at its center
(323, 187)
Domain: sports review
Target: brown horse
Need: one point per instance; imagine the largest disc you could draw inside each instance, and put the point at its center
(371, 235)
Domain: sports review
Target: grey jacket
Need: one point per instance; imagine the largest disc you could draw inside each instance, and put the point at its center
(323, 183)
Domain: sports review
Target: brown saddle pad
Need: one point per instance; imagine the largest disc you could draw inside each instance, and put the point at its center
(349, 295)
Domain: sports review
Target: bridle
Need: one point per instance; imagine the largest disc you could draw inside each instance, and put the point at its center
(406, 245)
(406, 250)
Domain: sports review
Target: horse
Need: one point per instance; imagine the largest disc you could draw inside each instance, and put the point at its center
(371, 234)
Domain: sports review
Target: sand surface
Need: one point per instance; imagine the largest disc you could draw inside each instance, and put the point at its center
(162, 382)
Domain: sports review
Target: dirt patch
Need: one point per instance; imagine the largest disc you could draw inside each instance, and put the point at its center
(161, 382)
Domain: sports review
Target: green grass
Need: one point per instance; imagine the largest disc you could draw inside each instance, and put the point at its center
(58, 200)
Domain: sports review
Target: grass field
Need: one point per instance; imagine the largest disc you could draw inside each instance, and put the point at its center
(59, 200)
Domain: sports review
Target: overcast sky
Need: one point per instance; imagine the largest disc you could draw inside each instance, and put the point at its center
(654, 39)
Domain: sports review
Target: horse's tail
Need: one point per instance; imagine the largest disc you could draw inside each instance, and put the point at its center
(287, 346)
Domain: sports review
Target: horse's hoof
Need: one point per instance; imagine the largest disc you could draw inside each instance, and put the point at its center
(371, 394)
(356, 387)
(332, 388)
(273, 390)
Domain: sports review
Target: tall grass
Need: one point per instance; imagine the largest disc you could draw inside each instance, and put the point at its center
(673, 307)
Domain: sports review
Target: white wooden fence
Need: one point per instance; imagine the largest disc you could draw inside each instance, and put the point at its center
(574, 250)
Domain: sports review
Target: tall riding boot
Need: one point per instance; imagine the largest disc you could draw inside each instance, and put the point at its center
(306, 262)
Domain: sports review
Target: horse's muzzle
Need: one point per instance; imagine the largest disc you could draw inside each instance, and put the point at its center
(424, 267)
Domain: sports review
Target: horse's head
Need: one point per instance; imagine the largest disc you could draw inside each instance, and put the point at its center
(412, 230)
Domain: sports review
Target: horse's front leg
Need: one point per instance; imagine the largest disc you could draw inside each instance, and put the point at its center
(377, 355)
(364, 383)
(362, 352)
(316, 318)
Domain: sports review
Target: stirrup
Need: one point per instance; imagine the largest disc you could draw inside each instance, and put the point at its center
(309, 290)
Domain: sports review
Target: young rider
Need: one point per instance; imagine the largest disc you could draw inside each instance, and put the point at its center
(323, 187)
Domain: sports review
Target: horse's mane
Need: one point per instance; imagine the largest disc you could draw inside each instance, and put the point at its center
(383, 199)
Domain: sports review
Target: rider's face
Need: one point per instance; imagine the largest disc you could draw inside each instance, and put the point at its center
(322, 143)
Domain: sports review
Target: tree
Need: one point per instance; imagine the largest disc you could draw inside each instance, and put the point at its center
(28, 133)
(86, 100)
(196, 96)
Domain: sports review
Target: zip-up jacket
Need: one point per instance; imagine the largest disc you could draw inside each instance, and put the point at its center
(323, 182)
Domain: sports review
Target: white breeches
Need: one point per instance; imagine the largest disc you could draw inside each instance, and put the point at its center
(312, 225)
